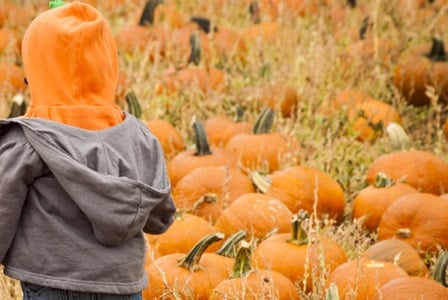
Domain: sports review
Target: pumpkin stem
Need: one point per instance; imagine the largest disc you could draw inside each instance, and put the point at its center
(202, 144)
(382, 181)
(228, 248)
(298, 234)
(437, 52)
(242, 264)
(204, 23)
(133, 104)
(363, 29)
(239, 113)
(191, 260)
(255, 12)
(440, 269)
(403, 233)
(207, 198)
(261, 182)
(351, 3)
(147, 16)
(264, 121)
(18, 106)
(195, 52)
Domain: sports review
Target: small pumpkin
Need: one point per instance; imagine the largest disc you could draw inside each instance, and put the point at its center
(424, 170)
(424, 65)
(170, 138)
(251, 283)
(302, 187)
(359, 279)
(189, 275)
(259, 215)
(11, 78)
(400, 253)
(418, 219)
(412, 288)
(370, 202)
(299, 255)
(206, 191)
(263, 149)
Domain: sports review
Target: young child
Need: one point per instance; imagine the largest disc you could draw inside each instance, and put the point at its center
(81, 180)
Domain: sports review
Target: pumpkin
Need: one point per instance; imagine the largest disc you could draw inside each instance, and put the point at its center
(412, 288)
(220, 128)
(263, 149)
(279, 96)
(228, 45)
(422, 66)
(418, 219)
(299, 255)
(170, 138)
(400, 253)
(186, 230)
(189, 275)
(259, 215)
(189, 159)
(359, 279)
(424, 170)
(192, 75)
(206, 191)
(302, 187)
(368, 116)
(11, 78)
(10, 41)
(370, 202)
(251, 283)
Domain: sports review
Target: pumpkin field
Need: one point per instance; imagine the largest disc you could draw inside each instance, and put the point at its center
(305, 141)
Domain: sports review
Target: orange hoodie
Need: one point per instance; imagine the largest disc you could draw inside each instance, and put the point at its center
(71, 66)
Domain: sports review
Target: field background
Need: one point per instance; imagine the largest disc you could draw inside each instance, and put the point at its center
(309, 53)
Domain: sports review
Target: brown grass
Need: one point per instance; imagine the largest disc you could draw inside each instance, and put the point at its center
(308, 55)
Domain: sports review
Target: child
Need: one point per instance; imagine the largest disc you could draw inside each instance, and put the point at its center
(81, 180)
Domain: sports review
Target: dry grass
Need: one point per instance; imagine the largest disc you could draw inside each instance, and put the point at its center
(309, 54)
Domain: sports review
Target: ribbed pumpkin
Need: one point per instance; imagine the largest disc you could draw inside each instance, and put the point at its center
(370, 203)
(412, 287)
(189, 275)
(186, 230)
(308, 188)
(251, 283)
(259, 215)
(400, 253)
(206, 191)
(204, 155)
(360, 279)
(263, 149)
(422, 66)
(421, 169)
(169, 137)
(418, 219)
(299, 255)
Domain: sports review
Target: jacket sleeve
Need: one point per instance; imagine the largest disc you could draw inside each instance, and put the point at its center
(161, 217)
(19, 166)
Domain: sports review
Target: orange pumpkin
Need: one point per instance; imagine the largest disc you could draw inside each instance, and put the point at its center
(170, 138)
(204, 155)
(370, 203)
(308, 188)
(262, 149)
(418, 219)
(359, 279)
(251, 283)
(422, 66)
(412, 288)
(189, 275)
(424, 170)
(257, 214)
(297, 255)
(11, 78)
(400, 253)
(206, 191)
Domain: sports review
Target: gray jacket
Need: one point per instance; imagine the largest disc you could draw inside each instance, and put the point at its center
(74, 203)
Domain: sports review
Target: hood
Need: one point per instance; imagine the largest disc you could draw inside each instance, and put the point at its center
(120, 184)
(71, 66)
